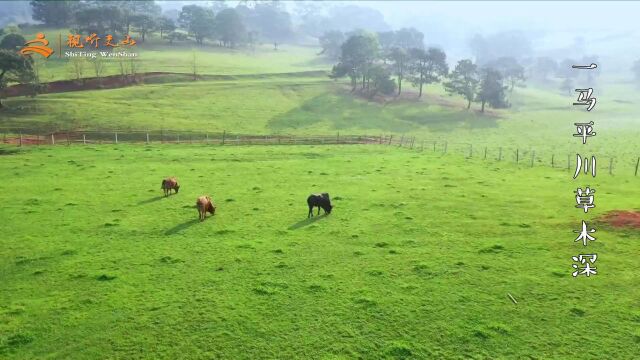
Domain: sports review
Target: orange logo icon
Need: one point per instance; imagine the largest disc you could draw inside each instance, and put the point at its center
(42, 49)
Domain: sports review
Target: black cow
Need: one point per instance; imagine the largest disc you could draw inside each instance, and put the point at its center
(321, 201)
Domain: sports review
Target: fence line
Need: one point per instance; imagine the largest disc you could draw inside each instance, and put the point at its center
(25, 137)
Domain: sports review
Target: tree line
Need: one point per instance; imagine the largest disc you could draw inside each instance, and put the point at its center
(379, 63)
(243, 24)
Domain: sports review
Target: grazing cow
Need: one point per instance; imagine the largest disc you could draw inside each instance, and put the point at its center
(321, 201)
(168, 184)
(204, 204)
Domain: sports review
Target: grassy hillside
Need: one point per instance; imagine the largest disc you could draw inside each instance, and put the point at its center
(416, 261)
(159, 55)
(539, 120)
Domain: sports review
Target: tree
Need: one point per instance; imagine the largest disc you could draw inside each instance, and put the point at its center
(176, 36)
(14, 68)
(165, 25)
(144, 24)
(427, 66)
(194, 64)
(543, 67)
(12, 29)
(492, 90)
(98, 68)
(92, 19)
(132, 8)
(510, 69)
(463, 80)
(565, 69)
(515, 44)
(270, 20)
(77, 65)
(35, 86)
(199, 22)
(567, 86)
(380, 81)
(331, 41)
(229, 28)
(252, 37)
(53, 13)
(407, 38)
(400, 58)
(358, 54)
(387, 40)
(12, 42)
(568, 73)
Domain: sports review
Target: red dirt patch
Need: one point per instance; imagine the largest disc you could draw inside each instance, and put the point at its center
(622, 218)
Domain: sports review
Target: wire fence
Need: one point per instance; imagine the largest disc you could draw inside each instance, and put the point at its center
(25, 137)
(523, 157)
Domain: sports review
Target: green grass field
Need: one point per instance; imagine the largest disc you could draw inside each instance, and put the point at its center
(416, 260)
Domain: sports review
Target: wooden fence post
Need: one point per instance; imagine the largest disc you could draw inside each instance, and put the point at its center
(637, 163)
(53, 139)
(380, 139)
(610, 166)
(485, 153)
(434, 146)
(68, 141)
(470, 150)
(206, 137)
(147, 138)
(20, 144)
(401, 140)
(338, 138)
(116, 137)
(517, 155)
(553, 160)
(224, 134)
(533, 156)
(390, 137)
(84, 139)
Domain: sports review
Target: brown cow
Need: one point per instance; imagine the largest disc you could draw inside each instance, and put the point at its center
(168, 184)
(204, 204)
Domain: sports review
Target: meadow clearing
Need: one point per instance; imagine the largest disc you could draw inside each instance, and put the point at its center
(415, 261)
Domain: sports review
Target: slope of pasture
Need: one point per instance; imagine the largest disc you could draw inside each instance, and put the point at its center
(157, 55)
(540, 120)
(415, 262)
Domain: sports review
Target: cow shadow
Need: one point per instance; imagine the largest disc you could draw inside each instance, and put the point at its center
(149, 201)
(307, 222)
(180, 227)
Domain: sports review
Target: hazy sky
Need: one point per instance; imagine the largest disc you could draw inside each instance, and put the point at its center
(536, 15)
